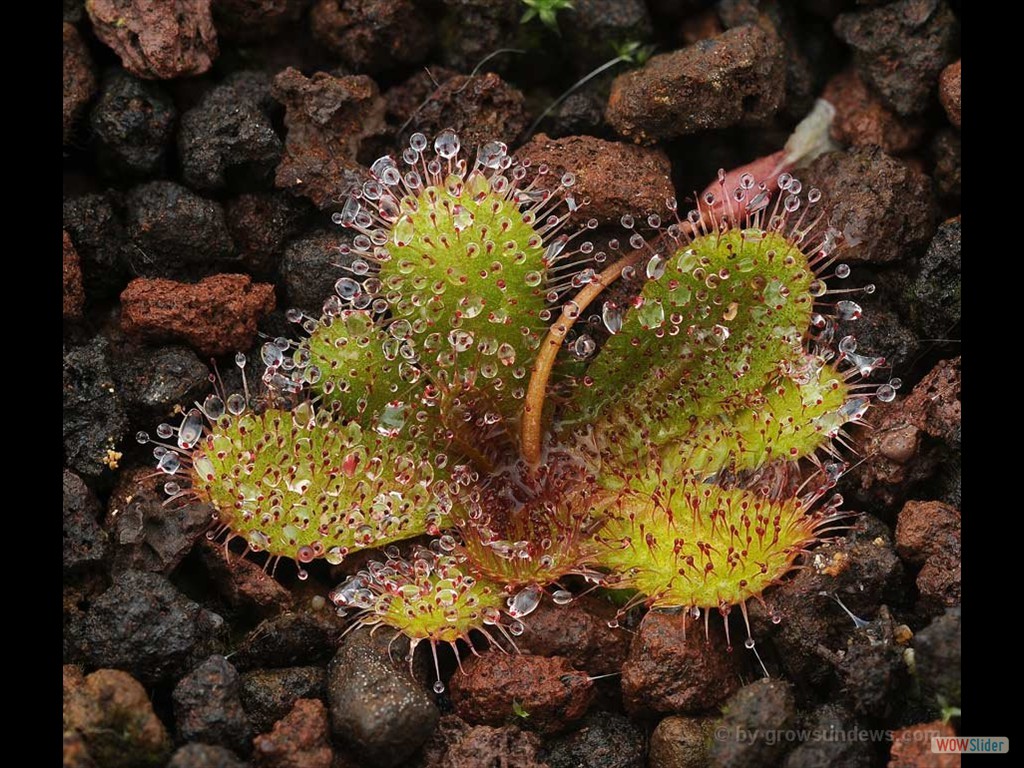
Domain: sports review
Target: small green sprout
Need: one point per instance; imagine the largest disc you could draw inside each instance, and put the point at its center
(633, 52)
(518, 710)
(546, 11)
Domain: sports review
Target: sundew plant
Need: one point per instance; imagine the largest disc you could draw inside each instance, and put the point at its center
(470, 385)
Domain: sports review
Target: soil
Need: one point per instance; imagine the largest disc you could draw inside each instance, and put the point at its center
(206, 145)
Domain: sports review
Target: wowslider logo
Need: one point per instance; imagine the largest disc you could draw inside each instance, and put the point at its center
(970, 745)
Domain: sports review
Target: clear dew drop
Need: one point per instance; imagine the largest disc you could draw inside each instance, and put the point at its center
(524, 602)
(854, 408)
(191, 429)
(236, 404)
(584, 347)
(506, 354)
(271, 355)
(460, 340)
(611, 316)
(848, 310)
(438, 687)
(169, 463)
(392, 419)
(347, 288)
(403, 231)
(214, 407)
(561, 597)
(490, 154)
(656, 267)
(885, 393)
(447, 144)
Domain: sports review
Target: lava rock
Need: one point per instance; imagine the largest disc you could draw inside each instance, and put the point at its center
(591, 27)
(617, 178)
(862, 118)
(214, 316)
(939, 582)
(205, 756)
(926, 529)
(94, 223)
(112, 715)
(85, 542)
(153, 382)
(872, 668)
(552, 693)
(260, 224)
(456, 744)
(311, 266)
(403, 99)
(132, 124)
(229, 136)
(243, 583)
(862, 570)
(479, 108)
(269, 694)
(581, 113)
(736, 78)
(603, 740)
(826, 751)
(579, 632)
(472, 29)
(384, 714)
(670, 669)
(74, 294)
(75, 752)
(912, 436)
(250, 20)
(884, 208)
(291, 639)
(912, 747)
(79, 79)
(157, 40)
(301, 740)
(142, 624)
(742, 739)
(372, 36)
(78, 592)
(176, 232)
(94, 418)
(207, 707)
(900, 48)
(933, 295)
(146, 534)
(949, 92)
(937, 659)
(680, 742)
(803, 81)
(327, 118)
(945, 151)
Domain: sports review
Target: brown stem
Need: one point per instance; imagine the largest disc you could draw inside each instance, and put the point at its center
(533, 411)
